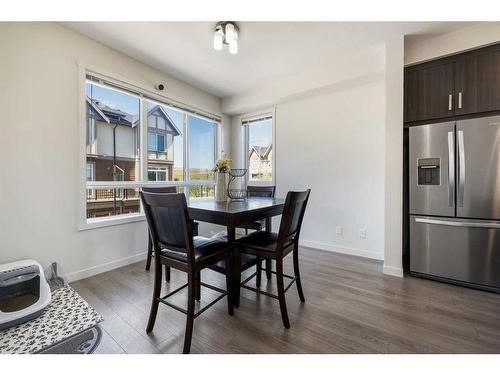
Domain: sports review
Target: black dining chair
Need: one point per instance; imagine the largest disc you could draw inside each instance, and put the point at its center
(169, 190)
(276, 246)
(174, 245)
(259, 191)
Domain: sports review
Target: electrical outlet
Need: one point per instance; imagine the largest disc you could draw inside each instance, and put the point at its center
(338, 230)
(362, 233)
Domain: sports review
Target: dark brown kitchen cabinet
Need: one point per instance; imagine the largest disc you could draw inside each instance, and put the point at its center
(464, 84)
(429, 92)
(488, 81)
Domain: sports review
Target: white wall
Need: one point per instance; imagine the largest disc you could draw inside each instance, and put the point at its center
(393, 249)
(334, 144)
(446, 44)
(39, 199)
(330, 138)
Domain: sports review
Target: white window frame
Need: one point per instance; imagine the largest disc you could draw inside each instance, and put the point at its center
(143, 93)
(245, 144)
(92, 191)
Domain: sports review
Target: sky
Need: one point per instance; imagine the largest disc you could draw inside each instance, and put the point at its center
(260, 133)
(201, 132)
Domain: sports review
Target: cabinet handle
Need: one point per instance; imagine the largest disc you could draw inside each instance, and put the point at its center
(460, 100)
(450, 102)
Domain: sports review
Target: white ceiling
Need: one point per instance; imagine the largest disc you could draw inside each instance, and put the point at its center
(268, 51)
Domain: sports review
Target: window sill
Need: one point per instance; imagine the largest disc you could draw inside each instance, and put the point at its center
(111, 221)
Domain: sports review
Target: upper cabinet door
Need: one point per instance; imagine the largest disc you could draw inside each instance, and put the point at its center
(466, 85)
(488, 81)
(429, 93)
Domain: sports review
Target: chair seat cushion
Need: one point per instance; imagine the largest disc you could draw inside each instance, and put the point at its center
(247, 261)
(203, 249)
(254, 225)
(262, 240)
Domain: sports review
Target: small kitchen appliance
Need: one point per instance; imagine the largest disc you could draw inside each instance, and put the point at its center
(24, 292)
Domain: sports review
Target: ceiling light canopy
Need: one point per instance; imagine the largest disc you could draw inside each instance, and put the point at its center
(226, 33)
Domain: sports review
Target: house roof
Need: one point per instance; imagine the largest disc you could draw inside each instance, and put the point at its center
(261, 151)
(117, 116)
(168, 119)
(96, 111)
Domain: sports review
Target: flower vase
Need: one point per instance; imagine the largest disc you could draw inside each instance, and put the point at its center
(220, 187)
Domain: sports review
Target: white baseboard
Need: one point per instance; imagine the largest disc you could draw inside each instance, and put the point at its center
(392, 271)
(342, 249)
(83, 274)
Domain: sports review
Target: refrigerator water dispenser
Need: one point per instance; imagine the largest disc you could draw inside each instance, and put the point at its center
(429, 171)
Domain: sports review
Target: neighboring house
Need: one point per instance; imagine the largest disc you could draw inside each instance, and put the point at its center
(113, 146)
(260, 162)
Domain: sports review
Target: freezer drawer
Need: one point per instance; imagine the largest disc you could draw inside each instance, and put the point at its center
(458, 249)
(432, 169)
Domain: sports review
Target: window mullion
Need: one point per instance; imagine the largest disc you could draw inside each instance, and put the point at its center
(186, 153)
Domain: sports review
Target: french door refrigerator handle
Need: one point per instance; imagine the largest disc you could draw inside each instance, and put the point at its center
(451, 169)
(470, 224)
(461, 168)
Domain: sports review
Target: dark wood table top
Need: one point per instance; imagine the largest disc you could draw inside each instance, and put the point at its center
(234, 212)
(236, 206)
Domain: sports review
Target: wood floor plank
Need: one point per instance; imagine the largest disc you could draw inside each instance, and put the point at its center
(351, 307)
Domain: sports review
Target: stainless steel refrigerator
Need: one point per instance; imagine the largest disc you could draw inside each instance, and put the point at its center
(455, 202)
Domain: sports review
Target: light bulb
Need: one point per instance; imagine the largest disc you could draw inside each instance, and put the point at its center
(233, 47)
(231, 33)
(218, 39)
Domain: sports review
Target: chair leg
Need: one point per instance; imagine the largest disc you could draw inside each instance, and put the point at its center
(229, 286)
(236, 277)
(281, 292)
(150, 253)
(269, 267)
(167, 274)
(198, 286)
(259, 272)
(190, 312)
(156, 295)
(297, 273)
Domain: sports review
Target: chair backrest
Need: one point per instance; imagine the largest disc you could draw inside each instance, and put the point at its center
(293, 213)
(261, 191)
(165, 189)
(168, 222)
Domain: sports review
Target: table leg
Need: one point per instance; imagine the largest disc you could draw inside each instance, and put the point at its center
(231, 235)
(269, 265)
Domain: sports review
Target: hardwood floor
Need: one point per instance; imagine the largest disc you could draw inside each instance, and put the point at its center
(351, 307)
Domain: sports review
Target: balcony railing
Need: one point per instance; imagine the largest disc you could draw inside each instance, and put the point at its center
(110, 194)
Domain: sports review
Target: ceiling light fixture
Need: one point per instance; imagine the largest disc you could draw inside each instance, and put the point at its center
(226, 33)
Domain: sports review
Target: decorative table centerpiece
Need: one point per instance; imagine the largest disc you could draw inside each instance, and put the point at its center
(221, 170)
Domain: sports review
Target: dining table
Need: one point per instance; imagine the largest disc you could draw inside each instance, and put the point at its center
(231, 213)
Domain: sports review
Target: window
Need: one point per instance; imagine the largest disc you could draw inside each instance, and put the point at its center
(165, 142)
(132, 140)
(157, 174)
(156, 142)
(259, 148)
(90, 176)
(201, 148)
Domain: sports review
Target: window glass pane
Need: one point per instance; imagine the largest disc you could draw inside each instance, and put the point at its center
(260, 150)
(167, 155)
(201, 191)
(160, 142)
(151, 141)
(113, 136)
(201, 148)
